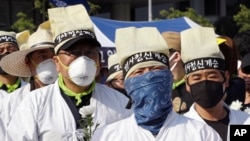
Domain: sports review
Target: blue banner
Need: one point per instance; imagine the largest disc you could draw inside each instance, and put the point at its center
(105, 52)
(63, 3)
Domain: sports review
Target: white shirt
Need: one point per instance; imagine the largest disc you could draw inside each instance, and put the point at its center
(176, 128)
(11, 102)
(3, 93)
(5, 107)
(44, 114)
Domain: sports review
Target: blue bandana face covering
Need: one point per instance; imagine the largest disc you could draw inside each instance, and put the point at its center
(151, 96)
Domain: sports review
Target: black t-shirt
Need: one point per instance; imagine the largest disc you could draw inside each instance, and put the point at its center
(236, 90)
(220, 126)
(72, 105)
(245, 106)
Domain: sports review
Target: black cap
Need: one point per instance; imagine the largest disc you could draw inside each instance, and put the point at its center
(245, 63)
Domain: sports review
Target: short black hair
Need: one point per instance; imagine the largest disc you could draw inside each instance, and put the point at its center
(242, 42)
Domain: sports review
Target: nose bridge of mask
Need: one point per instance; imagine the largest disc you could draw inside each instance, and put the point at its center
(64, 66)
(96, 64)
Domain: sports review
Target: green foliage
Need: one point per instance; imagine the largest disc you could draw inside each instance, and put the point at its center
(190, 13)
(242, 18)
(26, 23)
(93, 8)
(86, 124)
(23, 23)
(42, 6)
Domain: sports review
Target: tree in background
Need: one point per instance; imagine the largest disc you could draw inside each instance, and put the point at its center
(26, 23)
(226, 26)
(23, 23)
(242, 18)
(190, 13)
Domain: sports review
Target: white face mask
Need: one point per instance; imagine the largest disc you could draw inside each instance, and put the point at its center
(82, 71)
(170, 59)
(46, 71)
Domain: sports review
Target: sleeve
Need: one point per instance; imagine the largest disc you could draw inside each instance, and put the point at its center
(23, 125)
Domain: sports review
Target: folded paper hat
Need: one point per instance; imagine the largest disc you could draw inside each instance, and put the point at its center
(8, 37)
(14, 63)
(140, 47)
(71, 24)
(220, 40)
(113, 67)
(173, 40)
(22, 39)
(199, 50)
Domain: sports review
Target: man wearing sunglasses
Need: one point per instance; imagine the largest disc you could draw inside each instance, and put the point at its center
(244, 73)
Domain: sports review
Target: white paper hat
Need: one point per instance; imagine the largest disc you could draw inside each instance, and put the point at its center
(173, 39)
(69, 25)
(199, 50)
(14, 63)
(140, 47)
(113, 67)
(8, 37)
(22, 39)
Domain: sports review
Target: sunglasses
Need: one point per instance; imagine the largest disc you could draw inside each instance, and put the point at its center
(246, 70)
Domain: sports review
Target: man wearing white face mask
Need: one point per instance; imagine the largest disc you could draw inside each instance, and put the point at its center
(34, 60)
(181, 99)
(52, 112)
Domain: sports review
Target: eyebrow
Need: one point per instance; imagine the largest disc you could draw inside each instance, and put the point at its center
(208, 72)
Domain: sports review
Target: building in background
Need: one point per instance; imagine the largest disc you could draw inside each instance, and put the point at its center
(125, 10)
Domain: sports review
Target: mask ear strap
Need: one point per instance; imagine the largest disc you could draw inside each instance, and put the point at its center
(224, 77)
(187, 77)
(172, 56)
(32, 60)
(172, 68)
(66, 67)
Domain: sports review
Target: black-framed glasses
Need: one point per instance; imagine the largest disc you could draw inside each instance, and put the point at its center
(77, 53)
(246, 70)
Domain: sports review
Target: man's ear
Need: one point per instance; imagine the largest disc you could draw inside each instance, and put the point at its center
(27, 61)
(186, 83)
(98, 67)
(178, 56)
(227, 77)
(55, 58)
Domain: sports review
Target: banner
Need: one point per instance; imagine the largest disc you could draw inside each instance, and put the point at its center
(105, 52)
